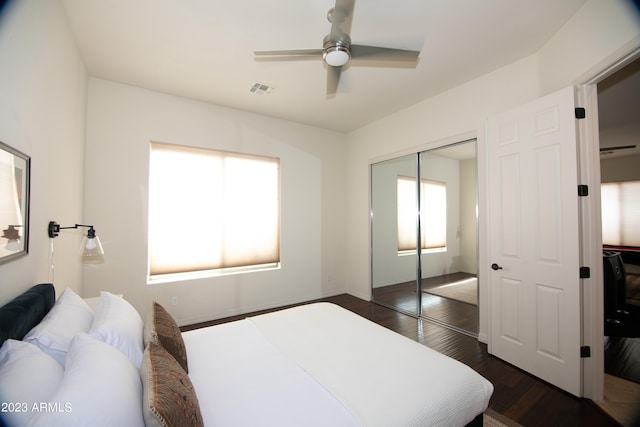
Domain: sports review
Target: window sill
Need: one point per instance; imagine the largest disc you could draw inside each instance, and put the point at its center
(194, 275)
(423, 252)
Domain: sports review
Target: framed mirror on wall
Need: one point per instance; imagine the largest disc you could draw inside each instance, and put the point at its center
(424, 245)
(15, 170)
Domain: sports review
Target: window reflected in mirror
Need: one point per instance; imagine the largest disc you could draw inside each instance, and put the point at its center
(431, 198)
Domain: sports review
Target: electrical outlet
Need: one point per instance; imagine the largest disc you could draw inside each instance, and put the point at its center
(174, 300)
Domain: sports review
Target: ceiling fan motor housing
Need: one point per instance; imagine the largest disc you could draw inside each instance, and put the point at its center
(336, 52)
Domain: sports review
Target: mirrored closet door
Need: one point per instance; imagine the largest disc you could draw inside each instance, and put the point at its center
(424, 257)
(393, 273)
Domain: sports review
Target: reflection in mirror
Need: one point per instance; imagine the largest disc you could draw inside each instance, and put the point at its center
(447, 258)
(393, 275)
(449, 267)
(14, 203)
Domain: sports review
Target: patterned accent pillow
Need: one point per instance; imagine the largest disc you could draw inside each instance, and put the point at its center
(162, 329)
(169, 398)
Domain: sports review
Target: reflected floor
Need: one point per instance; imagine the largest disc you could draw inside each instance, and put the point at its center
(457, 314)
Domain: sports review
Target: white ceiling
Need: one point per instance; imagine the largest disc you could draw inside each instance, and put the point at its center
(619, 111)
(203, 49)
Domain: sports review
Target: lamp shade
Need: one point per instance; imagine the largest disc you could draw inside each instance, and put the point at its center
(12, 234)
(13, 245)
(91, 247)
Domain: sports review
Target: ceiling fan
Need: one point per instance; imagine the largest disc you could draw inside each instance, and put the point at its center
(610, 150)
(337, 49)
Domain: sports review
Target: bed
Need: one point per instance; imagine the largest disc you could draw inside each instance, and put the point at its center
(65, 363)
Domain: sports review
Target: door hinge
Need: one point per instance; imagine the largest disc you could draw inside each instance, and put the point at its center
(581, 113)
(583, 190)
(585, 351)
(585, 272)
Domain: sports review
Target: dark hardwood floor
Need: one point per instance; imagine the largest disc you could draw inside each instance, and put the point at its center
(402, 296)
(518, 395)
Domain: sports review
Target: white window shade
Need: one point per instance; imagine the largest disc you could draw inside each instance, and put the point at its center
(211, 210)
(621, 213)
(433, 214)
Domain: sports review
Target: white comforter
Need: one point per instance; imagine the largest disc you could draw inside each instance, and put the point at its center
(320, 364)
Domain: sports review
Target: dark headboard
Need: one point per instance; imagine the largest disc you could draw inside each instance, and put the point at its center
(20, 315)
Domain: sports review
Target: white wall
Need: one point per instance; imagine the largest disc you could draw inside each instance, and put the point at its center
(620, 168)
(469, 216)
(388, 267)
(121, 120)
(428, 125)
(42, 114)
(601, 31)
(599, 34)
(425, 125)
(443, 169)
(42, 98)
(460, 177)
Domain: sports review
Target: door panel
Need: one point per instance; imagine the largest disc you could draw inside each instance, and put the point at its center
(534, 238)
(549, 306)
(509, 216)
(510, 297)
(549, 205)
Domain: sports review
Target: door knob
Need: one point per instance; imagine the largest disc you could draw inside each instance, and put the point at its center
(495, 266)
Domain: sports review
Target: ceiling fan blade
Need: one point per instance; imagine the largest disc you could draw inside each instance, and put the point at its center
(289, 52)
(383, 53)
(346, 6)
(341, 17)
(333, 78)
(619, 147)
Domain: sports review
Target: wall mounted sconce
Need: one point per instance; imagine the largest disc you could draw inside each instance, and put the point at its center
(90, 246)
(12, 234)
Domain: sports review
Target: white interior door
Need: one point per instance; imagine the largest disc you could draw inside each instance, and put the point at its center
(534, 239)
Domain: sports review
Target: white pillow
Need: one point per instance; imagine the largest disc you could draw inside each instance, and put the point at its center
(100, 387)
(118, 324)
(68, 316)
(27, 377)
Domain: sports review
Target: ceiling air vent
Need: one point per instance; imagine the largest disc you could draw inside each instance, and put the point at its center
(261, 89)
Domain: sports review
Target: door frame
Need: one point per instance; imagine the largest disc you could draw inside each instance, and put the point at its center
(591, 218)
(592, 303)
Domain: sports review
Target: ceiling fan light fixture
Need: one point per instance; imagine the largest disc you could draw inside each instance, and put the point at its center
(336, 47)
(336, 56)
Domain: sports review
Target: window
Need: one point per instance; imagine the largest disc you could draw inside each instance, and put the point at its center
(621, 213)
(211, 211)
(433, 214)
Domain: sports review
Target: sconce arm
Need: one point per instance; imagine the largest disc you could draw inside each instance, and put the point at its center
(54, 228)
